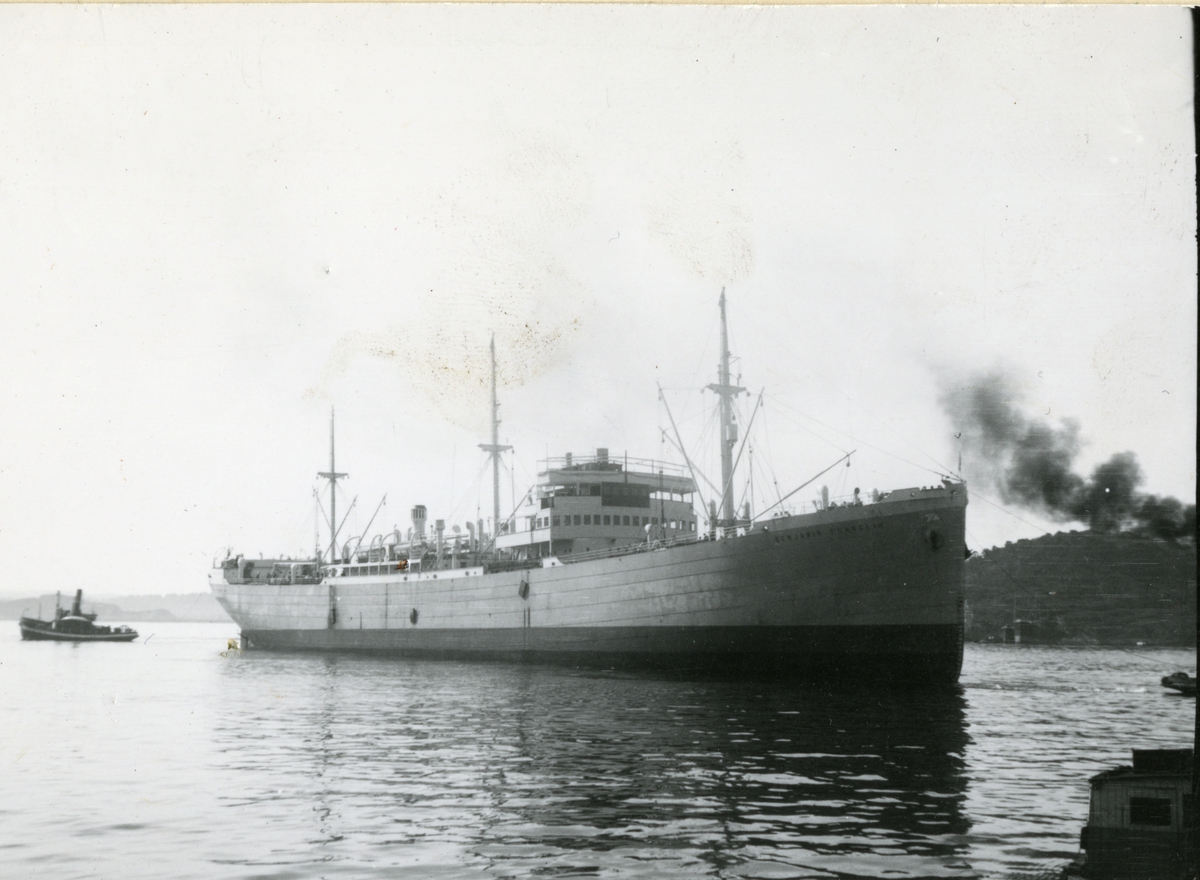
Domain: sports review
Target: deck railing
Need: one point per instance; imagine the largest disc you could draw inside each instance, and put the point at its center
(614, 462)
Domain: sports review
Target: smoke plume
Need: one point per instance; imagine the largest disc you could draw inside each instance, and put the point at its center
(1030, 462)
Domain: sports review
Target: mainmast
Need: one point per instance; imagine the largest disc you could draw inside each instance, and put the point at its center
(332, 476)
(494, 448)
(726, 392)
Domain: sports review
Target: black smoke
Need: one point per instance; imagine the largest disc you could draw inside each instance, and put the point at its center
(1030, 462)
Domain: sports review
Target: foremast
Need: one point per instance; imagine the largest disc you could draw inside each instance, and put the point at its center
(494, 448)
(729, 434)
(332, 476)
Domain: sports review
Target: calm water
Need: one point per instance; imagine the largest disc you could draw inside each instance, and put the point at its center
(166, 759)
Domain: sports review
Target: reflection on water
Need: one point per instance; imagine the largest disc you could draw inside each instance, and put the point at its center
(513, 770)
(164, 759)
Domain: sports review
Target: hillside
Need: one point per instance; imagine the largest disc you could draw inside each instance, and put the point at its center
(1099, 589)
(193, 607)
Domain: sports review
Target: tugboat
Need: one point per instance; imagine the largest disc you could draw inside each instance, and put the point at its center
(73, 626)
(1142, 821)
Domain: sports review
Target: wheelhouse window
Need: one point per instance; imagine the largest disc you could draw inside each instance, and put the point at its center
(1149, 811)
(624, 495)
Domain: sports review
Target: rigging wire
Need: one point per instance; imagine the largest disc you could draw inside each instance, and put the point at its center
(742, 448)
(701, 443)
(807, 429)
(770, 457)
(473, 488)
(303, 524)
(805, 483)
(677, 443)
(704, 439)
(850, 399)
(512, 484)
(852, 438)
(977, 494)
(703, 355)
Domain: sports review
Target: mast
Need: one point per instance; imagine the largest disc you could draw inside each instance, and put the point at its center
(728, 427)
(332, 476)
(494, 448)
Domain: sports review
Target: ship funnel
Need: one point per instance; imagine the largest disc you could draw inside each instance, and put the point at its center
(418, 521)
(602, 456)
(568, 459)
(471, 537)
(77, 605)
(824, 497)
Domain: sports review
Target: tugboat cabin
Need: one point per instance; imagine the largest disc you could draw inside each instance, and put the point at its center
(1141, 819)
(586, 504)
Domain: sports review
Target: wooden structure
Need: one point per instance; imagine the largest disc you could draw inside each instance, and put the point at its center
(1142, 821)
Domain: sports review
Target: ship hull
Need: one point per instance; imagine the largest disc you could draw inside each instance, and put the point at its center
(871, 591)
(894, 653)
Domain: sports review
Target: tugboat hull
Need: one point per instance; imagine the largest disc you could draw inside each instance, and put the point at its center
(44, 631)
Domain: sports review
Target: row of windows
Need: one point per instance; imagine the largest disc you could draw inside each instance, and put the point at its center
(388, 568)
(590, 519)
(357, 570)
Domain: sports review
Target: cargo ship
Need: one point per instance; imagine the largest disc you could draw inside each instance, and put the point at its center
(618, 563)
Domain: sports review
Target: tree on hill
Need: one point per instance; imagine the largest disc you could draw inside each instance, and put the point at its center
(1091, 587)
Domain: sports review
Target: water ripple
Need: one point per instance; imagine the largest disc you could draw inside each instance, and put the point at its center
(167, 760)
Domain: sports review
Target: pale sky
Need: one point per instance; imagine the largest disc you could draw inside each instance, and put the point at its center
(221, 221)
